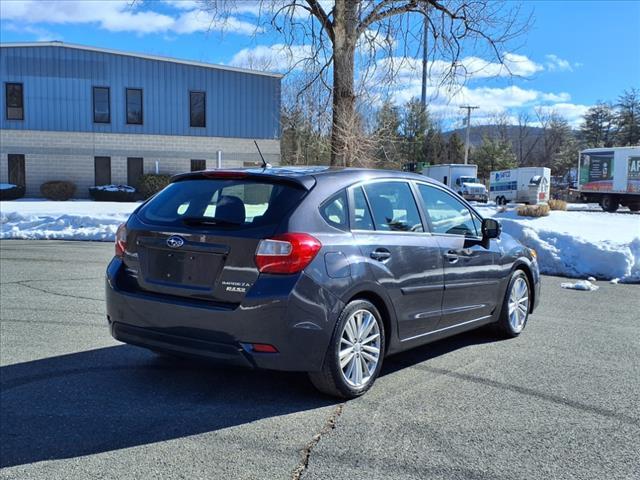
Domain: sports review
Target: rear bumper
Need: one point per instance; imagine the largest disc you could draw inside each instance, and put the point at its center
(476, 197)
(292, 313)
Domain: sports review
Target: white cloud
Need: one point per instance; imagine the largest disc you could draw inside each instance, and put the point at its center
(120, 16)
(572, 112)
(39, 34)
(555, 63)
(277, 57)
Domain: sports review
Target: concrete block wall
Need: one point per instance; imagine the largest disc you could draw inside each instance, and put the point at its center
(70, 155)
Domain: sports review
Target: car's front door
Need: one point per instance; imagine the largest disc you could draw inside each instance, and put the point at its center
(404, 259)
(471, 270)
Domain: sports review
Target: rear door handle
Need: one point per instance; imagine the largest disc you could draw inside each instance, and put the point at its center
(452, 256)
(380, 254)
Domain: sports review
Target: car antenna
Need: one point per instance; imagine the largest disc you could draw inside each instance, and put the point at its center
(265, 164)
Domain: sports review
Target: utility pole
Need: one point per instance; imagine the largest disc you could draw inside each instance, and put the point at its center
(425, 33)
(466, 142)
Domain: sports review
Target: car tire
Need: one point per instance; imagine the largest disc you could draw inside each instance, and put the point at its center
(609, 203)
(515, 306)
(339, 375)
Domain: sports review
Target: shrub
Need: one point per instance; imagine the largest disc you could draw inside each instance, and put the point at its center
(58, 190)
(557, 205)
(152, 183)
(8, 191)
(541, 210)
(112, 193)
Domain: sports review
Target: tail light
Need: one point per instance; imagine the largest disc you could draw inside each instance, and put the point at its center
(286, 253)
(121, 240)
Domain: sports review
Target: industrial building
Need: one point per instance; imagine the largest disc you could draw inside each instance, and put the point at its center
(95, 116)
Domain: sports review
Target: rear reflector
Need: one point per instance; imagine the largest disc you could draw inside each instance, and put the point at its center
(287, 253)
(263, 348)
(121, 240)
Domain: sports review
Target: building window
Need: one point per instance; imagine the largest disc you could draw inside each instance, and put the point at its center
(197, 106)
(101, 105)
(134, 106)
(198, 165)
(102, 169)
(15, 101)
(16, 170)
(135, 169)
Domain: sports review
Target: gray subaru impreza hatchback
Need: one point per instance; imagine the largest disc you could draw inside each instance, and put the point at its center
(318, 270)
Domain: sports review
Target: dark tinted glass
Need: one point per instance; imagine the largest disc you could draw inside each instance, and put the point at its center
(197, 109)
(198, 165)
(446, 213)
(134, 106)
(334, 211)
(241, 203)
(101, 108)
(393, 207)
(362, 216)
(14, 101)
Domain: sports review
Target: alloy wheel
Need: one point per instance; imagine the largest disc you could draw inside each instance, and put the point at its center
(518, 304)
(359, 351)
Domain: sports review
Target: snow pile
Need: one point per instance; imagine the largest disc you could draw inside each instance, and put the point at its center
(579, 244)
(71, 220)
(114, 188)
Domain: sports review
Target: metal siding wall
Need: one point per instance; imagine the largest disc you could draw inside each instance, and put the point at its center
(58, 94)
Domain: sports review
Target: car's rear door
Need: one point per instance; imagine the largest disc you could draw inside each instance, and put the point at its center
(471, 270)
(406, 261)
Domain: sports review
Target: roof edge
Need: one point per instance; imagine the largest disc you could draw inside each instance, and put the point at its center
(146, 56)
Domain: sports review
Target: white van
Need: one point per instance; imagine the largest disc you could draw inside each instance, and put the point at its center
(521, 185)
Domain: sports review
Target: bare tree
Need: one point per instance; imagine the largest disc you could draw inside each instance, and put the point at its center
(364, 31)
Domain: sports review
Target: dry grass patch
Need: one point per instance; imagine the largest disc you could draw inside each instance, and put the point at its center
(557, 205)
(541, 210)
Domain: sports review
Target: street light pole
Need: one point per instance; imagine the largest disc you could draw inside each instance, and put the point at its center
(466, 142)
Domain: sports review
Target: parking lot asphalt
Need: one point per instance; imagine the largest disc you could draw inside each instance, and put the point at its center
(561, 401)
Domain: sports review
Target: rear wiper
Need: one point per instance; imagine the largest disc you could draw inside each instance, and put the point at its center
(208, 221)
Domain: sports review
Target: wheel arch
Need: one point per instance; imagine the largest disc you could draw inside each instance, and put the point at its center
(526, 268)
(383, 308)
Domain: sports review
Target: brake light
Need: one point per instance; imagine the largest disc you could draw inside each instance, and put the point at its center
(286, 253)
(121, 240)
(222, 174)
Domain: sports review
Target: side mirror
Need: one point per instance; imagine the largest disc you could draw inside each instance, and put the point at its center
(491, 228)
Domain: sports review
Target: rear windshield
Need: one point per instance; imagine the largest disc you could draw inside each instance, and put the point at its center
(222, 202)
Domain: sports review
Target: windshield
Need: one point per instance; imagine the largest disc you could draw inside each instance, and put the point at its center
(221, 202)
(468, 180)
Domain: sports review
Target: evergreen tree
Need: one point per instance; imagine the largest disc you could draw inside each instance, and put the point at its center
(493, 154)
(598, 129)
(414, 128)
(628, 118)
(455, 149)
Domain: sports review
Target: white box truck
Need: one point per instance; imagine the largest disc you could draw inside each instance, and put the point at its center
(610, 177)
(459, 177)
(521, 185)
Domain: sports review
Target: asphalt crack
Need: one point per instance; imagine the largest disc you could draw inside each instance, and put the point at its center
(43, 290)
(305, 453)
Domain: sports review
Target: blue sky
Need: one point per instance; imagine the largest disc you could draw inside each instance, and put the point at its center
(574, 54)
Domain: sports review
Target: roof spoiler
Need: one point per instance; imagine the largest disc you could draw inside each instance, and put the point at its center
(262, 174)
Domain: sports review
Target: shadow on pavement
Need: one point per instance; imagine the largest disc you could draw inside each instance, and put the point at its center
(119, 397)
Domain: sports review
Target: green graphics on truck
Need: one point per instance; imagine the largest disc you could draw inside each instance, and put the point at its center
(596, 171)
(633, 177)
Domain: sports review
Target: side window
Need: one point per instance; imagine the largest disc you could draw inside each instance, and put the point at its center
(361, 214)
(334, 211)
(447, 214)
(14, 101)
(101, 105)
(393, 207)
(134, 106)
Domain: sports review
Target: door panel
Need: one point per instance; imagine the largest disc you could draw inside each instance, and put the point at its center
(102, 170)
(471, 271)
(16, 169)
(408, 265)
(135, 170)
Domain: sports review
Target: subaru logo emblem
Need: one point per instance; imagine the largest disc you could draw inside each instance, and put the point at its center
(175, 241)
